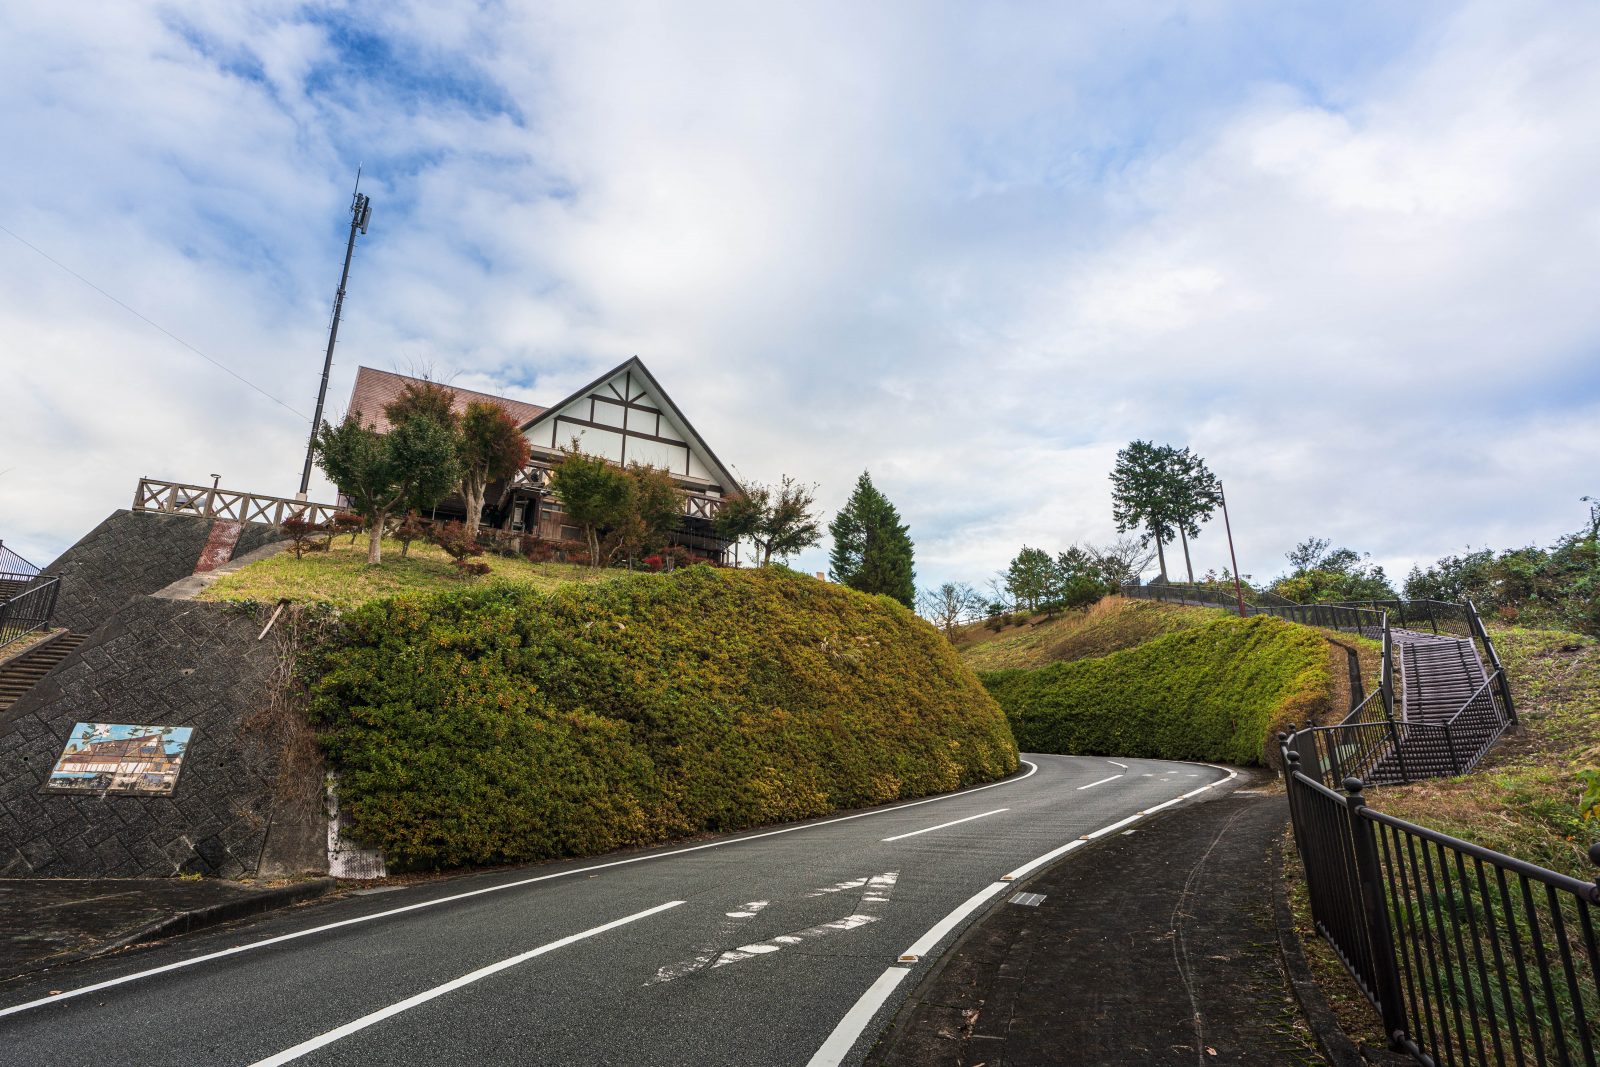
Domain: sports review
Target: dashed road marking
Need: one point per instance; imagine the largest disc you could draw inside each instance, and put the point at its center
(1102, 781)
(941, 826)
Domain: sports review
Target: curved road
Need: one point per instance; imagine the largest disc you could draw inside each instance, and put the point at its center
(779, 946)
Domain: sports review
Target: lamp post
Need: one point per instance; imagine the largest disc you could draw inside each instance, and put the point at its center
(1238, 589)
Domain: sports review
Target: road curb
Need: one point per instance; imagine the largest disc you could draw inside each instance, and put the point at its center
(194, 919)
(1336, 1045)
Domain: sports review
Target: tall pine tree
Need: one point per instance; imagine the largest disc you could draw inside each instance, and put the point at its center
(871, 546)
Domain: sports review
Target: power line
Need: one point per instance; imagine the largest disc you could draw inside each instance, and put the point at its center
(151, 322)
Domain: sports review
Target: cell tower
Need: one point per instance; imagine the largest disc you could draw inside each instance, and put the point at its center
(360, 213)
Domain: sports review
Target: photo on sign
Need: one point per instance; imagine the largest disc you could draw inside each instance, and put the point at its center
(117, 758)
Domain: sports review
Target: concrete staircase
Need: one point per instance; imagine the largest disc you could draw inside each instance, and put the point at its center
(20, 673)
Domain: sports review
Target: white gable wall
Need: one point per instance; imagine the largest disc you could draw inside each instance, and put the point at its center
(622, 421)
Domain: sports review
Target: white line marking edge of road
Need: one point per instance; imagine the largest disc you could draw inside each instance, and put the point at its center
(1033, 768)
(340, 1032)
(855, 1021)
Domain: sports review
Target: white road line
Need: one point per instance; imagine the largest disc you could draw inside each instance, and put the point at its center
(1102, 781)
(924, 944)
(843, 1038)
(1114, 763)
(392, 1010)
(1033, 768)
(941, 826)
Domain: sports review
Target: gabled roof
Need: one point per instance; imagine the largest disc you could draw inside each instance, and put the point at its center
(376, 389)
(725, 477)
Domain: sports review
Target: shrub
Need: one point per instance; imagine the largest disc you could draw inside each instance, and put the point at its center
(1220, 691)
(456, 541)
(301, 533)
(499, 724)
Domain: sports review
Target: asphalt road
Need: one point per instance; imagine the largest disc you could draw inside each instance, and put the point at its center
(774, 947)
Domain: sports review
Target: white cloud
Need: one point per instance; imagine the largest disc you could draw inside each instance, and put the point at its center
(1348, 259)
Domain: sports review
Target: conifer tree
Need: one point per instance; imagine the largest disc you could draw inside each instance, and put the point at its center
(872, 549)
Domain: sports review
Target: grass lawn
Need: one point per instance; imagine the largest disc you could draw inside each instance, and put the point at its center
(1523, 800)
(341, 578)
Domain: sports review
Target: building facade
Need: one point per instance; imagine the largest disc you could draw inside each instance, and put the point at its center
(623, 416)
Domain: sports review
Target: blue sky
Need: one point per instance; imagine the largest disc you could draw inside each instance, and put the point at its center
(1346, 252)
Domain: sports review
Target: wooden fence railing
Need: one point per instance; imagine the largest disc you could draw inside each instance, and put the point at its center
(154, 494)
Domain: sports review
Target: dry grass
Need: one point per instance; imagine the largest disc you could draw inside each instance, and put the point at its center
(1110, 625)
(340, 577)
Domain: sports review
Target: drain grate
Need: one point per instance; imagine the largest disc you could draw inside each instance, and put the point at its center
(1028, 900)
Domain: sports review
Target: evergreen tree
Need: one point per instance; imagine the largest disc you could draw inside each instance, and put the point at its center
(1030, 578)
(872, 549)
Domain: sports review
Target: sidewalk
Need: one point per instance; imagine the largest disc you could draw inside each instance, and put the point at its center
(47, 922)
(1156, 946)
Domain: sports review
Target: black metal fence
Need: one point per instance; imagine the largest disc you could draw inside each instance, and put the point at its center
(1470, 956)
(29, 610)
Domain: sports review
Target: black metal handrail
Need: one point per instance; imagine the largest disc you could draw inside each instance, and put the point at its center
(1470, 956)
(14, 566)
(29, 611)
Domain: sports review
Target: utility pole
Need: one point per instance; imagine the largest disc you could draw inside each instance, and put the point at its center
(1238, 589)
(360, 213)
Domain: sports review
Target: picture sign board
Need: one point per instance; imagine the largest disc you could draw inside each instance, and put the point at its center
(117, 758)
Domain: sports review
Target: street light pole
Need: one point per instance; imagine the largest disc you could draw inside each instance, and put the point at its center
(1238, 589)
(360, 212)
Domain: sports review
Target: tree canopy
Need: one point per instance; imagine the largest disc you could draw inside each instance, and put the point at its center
(872, 549)
(778, 520)
(414, 464)
(490, 446)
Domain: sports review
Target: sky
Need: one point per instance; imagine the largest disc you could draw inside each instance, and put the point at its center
(1347, 253)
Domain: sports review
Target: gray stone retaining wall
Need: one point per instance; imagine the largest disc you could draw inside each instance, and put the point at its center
(165, 663)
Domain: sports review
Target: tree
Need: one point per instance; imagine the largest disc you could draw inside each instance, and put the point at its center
(1122, 561)
(424, 399)
(1199, 494)
(491, 447)
(1076, 581)
(594, 493)
(1147, 494)
(779, 520)
(653, 508)
(872, 550)
(1321, 573)
(1030, 577)
(413, 464)
(950, 605)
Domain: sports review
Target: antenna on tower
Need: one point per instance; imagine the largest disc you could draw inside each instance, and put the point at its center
(360, 215)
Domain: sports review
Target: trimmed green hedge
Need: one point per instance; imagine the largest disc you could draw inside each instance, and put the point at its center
(1217, 692)
(498, 725)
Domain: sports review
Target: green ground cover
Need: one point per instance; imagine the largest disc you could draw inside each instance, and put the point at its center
(1217, 690)
(341, 577)
(507, 723)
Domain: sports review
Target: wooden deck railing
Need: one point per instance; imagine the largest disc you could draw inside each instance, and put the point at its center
(695, 505)
(154, 494)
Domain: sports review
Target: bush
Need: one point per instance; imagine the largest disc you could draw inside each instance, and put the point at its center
(500, 724)
(1218, 692)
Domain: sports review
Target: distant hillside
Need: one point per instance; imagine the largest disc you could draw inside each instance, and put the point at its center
(1111, 625)
(1214, 691)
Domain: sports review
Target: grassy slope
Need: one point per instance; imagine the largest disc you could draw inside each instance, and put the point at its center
(1109, 626)
(1523, 800)
(1215, 691)
(341, 578)
(504, 724)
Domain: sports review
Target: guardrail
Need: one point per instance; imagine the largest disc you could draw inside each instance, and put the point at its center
(1470, 956)
(29, 610)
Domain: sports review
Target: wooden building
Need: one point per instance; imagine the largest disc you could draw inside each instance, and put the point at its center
(623, 416)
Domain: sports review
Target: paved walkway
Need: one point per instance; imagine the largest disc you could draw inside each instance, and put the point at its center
(1157, 946)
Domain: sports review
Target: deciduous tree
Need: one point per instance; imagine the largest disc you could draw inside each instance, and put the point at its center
(491, 447)
(779, 520)
(413, 464)
(594, 493)
(950, 605)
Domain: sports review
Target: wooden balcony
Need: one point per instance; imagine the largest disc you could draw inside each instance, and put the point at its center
(180, 498)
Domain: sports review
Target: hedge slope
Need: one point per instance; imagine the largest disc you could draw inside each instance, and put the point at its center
(1214, 692)
(507, 724)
